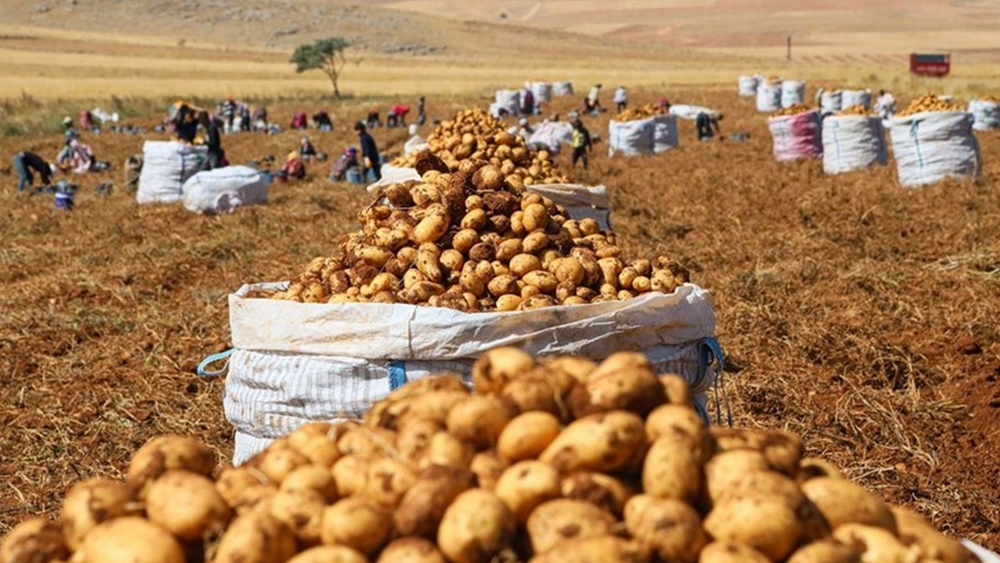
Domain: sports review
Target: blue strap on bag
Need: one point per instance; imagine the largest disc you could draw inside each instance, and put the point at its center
(203, 370)
(710, 353)
(397, 374)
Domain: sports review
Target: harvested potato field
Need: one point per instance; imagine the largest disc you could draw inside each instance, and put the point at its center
(853, 312)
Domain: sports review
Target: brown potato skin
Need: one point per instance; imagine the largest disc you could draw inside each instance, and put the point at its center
(411, 550)
(475, 528)
(422, 507)
(565, 520)
(33, 540)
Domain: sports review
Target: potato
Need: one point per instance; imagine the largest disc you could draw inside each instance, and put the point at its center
(411, 550)
(535, 217)
(876, 545)
(775, 486)
(677, 390)
(474, 219)
(535, 242)
(464, 240)
(317, 441)
(811, 467)
(634, 389)
(356, 523)
(430, 228)
(672, 468)
(726, 468)
(134, 540)
(566, 520)
(422, 507)
(244, 487)
(478, 420)
(508, 302)
(677, 420)
(91, 502)
(523, 264)
(603, 442)
(767, 525)
(670, 528)
(475, 528)
(315, 478)
(544, 281)
(427, 264)
(278, 460)
(603, 491)
(783, 450)
(525, 485)
(301, 511)
(350, 474)
(579, 368)
(824, 551)
(35, 540)
(488, 467)
(527, 435)
(729, 552)
(445, 449)
(599, 549)
(433, 406)
(914, 531)
(388, 480)
(166, 452)
(329, 554)
(498, 366)
(529, 393)
(503, 285)
(256, 537)
(187, 505)
(843, 502)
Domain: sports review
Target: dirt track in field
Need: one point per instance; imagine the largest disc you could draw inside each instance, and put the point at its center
(852, 311)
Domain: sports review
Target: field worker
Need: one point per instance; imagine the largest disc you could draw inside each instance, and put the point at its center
(592, 104)
(373, 120)
(185, 124)
(581, 143)
(369, 153)
(343, 166)
(306, 149)
(322, 121)
(294, 167)
(299, 121)
(528, 102)
(260, 119)
(421, 116)
(24, 163)
(705, 123)
(229, 114)
(664, 106)
(213, 140)
(523, 129)
(885, 105)
(621, 99)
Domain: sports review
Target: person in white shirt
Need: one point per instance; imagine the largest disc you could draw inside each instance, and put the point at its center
(592, 104)
(621, 98)
(885, 105)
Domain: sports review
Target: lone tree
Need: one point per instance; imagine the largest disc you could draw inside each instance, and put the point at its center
(324, 54)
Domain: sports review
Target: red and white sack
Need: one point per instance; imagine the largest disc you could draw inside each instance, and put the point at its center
(797, 136)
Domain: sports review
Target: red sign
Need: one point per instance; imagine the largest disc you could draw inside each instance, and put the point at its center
(930, 65)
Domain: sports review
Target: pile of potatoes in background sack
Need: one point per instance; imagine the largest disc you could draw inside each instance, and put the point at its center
(638, 112)
(469, 240)
(930, 102)
(554, 461)
(856, 109)
(794, 109)
(476, 135)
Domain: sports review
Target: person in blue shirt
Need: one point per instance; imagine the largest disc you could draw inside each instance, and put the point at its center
(369, 152)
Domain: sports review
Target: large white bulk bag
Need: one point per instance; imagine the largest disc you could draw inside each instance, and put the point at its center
(861, 98)
(831, 101)
(687, 111)
(509, 100)
(852, 142)
(768, 97)
(796, 136)
(931, 146)
(792, 92)
(541, 90)
(224, 189)
(552, 134)
(563, 88)
(748, 86)
(985, 114)
(652, 135)
(166, 166)
(299, 362)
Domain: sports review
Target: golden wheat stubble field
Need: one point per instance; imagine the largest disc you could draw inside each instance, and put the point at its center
(854, 312)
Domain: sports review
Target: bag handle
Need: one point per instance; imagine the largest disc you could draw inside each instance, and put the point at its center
(203, 370)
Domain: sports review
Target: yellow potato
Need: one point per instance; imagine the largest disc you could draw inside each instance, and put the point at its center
(678, 391)
(914, 531)
(824, 551)
(356, 523)
(783, 450)
(411, 550)
(475, 528)
(634, 389)
(603, 491)
(525, 485)
(316, 478)
(430, 228)
(464, 240)
(388, 480)
(256, 537)
(350, 474)
(479, 420)
(564, 520)
(729, 552)
(508, 302)
(726, 468)
(530, 393)
(670, 528)
(317, 441)
(844, 502)
(166, 452)
(244, 487)
(445, 449)
(498, 366)
(186, 504)
(527, 435)
(422, 507)
(876, 545)
(672, 468)
(599, 549)
(301, 512)
(488, 467)
(603, 442)
(35, 540)
(767, 525)
(811, 467)
(91, 502)
(579, 368)
(329, 554)
(135, 540)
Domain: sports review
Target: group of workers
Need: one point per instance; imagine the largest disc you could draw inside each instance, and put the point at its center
(75, 156)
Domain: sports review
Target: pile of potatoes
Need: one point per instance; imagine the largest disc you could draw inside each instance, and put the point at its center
(856, 109)
(930, 102)
(561, 460)
(475, 135)
(639, 112)
(466, 240)
(793, 109)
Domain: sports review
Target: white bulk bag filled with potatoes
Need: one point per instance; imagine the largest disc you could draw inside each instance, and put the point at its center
(930, 146)
(224, 189)
(166, 166)
(853, 142)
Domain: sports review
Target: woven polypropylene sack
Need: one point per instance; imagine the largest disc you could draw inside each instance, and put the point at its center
(562, 88)
(861, 98)
(298, 362)
(831, 102)
(747, 86)
(224, 189)
(931, 146)
(853, 142)
(797, 136)
(792, 92)
(985, 114)
(166, 166)
(768, 97)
